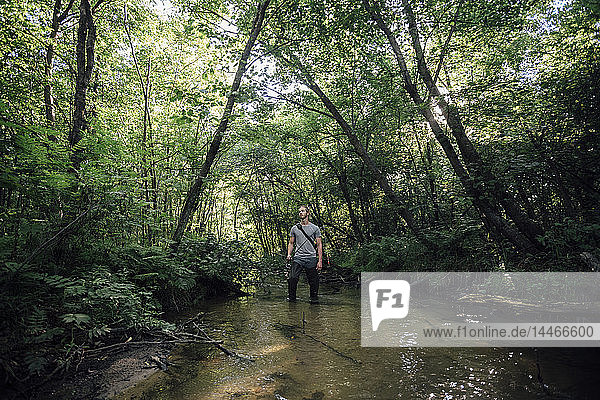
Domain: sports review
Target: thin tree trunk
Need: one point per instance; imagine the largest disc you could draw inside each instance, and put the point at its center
(86, 40)
(279, 233)
(363, 204)
(343, 185)
(366, 158)
(191, 201)
(237, 205)
(260, 218)
(490, 215)
(473, 160)
(426, 157)
(147, 166)
(57, 19)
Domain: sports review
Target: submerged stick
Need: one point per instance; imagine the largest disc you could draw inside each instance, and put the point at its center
(218, 345)
(296, 327)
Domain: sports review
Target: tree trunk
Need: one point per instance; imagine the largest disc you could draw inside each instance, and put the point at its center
(360, 149)
(364, 200)
(474, 163)
(57, 19)
(490, 215)
(343, 185)
(427, 160)
(191, 201)
(86, 40)
(147, 167)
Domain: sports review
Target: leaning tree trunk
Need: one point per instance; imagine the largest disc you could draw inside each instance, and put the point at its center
(381, 179)
(86, 40)
(474, 163)
(193, 195)
(490, 214)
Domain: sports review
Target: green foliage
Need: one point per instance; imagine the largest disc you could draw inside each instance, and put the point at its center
(77, 319)
(459, 249)
(50, 315)
(386, 254)
(222, 267)
(83, 251)
(565, 241)
(110, 298)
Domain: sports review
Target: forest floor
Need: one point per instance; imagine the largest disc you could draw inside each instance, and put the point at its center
(105, 376)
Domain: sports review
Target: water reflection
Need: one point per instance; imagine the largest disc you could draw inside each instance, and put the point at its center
(304, 351)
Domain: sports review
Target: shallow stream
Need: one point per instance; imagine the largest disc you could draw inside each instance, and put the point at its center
(304, 351)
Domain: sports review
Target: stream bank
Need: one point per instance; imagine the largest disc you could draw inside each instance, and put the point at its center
(303, 351)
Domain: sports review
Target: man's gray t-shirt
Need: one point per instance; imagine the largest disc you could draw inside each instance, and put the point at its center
(304, 250)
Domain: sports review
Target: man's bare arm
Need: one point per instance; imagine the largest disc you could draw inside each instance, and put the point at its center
(290, 248)
(320, 252)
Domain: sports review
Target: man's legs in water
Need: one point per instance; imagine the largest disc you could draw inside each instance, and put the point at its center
(313, 281)
(293, 276)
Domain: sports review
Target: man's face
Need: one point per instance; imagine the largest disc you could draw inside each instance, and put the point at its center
(302, 212)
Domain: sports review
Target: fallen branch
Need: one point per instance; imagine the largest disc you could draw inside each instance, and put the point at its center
(333, 349)
(218, 345)
(193, 319)
(144, 343)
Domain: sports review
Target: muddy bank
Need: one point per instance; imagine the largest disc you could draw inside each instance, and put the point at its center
(102, 376)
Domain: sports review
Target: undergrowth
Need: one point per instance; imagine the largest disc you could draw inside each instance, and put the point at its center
(53, 311)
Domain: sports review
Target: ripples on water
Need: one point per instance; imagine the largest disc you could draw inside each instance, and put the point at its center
(304, 351)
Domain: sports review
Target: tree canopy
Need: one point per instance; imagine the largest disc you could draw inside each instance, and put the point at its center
(150, 147)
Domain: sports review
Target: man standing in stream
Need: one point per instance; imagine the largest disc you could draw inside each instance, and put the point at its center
(307, 237)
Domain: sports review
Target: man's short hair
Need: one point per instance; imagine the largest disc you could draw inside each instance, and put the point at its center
(305, 207)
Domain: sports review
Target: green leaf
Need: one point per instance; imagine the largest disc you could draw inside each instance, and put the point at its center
(77, 319)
